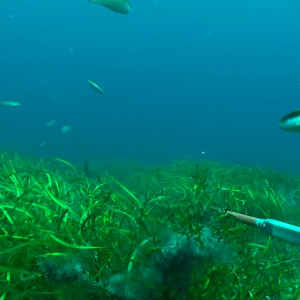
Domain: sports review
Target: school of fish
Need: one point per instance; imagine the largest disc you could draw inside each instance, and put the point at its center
(290, 122)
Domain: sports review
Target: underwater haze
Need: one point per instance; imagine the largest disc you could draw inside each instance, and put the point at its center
(202, 79)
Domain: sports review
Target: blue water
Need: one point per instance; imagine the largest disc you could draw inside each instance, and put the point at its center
(181, 77)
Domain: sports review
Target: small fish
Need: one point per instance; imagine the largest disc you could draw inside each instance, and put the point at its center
(118, 6)
(66, 129)
(291, 121)
(51, 123)
(10, 103)
(87, 169)
(96, 87)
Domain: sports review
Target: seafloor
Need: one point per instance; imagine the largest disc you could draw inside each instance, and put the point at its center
(85, 233)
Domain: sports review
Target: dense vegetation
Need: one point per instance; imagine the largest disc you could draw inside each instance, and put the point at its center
(155, 234)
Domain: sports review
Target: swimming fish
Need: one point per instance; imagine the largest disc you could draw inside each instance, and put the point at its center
(119, 6)
(291, 121)
(10, 103)
(96, 87)
(51, 123)
(66, 129)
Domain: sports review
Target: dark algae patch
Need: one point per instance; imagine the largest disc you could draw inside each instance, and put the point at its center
(154, 234)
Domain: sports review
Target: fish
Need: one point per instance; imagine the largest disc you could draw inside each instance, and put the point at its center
(87, 169)
(118, 6)
(51, 123)
(66, 129)
(291, 121)
(96, 87)
(10, 103)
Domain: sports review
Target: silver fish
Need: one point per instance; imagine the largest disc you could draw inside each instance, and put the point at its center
(51, 123)
(96, 87)
(10, 103)
(291, 121)
(119, 6)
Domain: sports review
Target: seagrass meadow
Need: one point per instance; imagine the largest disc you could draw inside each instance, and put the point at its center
(154, 234)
